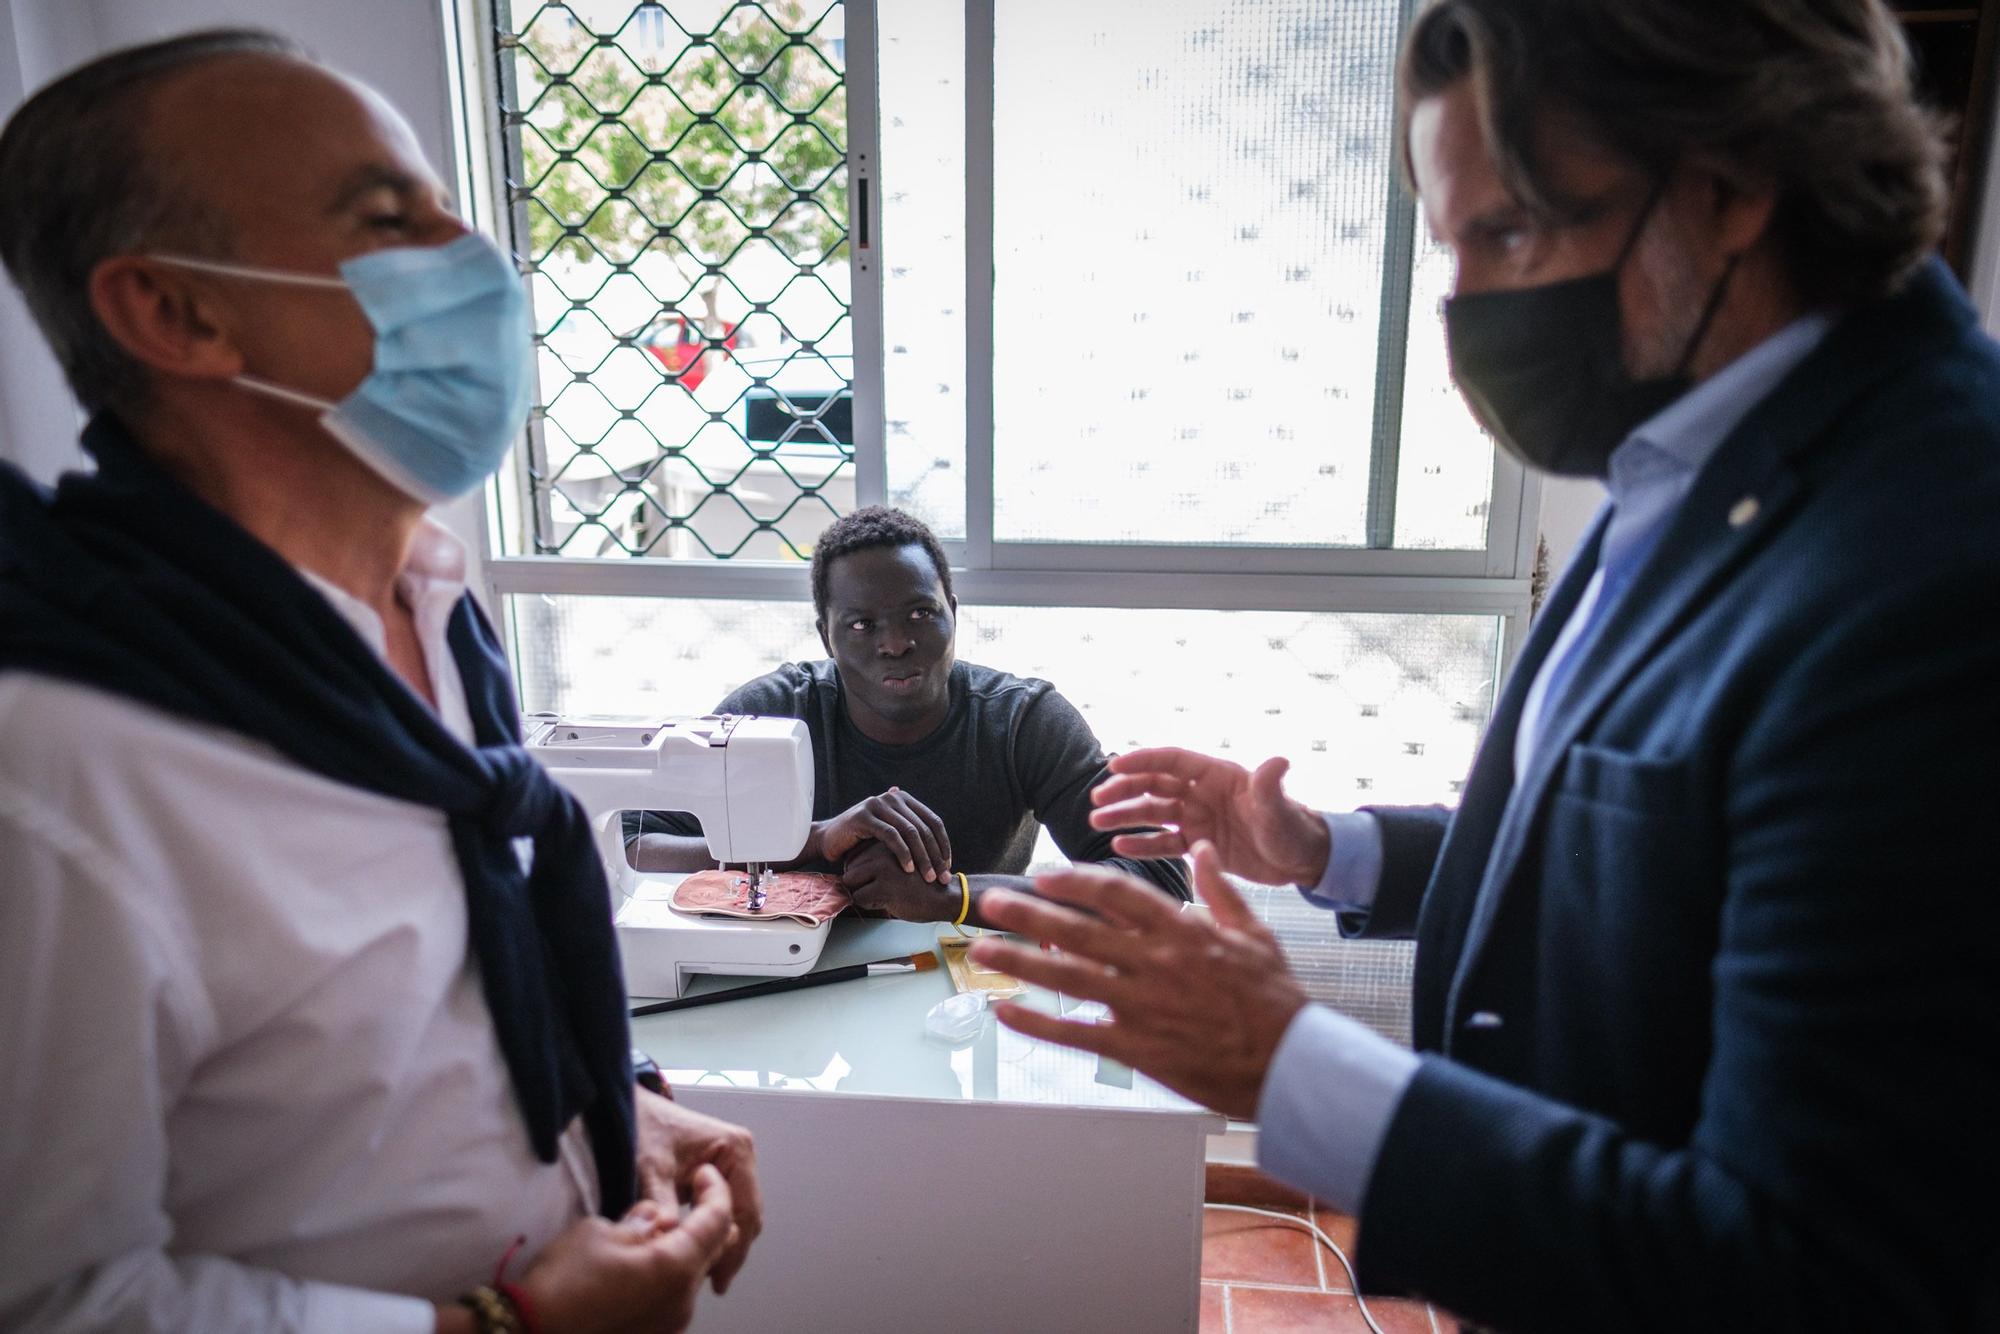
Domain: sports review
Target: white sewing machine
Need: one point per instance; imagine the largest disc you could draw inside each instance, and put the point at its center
(750, 783)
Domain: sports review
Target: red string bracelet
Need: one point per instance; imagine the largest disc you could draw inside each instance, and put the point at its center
(500, 1270)
(514, 1292)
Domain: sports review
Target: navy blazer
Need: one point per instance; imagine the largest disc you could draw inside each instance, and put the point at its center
(1713, 1002)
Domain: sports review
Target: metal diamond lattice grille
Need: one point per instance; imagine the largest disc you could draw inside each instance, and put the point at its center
(677, 185)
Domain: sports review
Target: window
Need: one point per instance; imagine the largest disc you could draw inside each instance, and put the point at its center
(1193, 445)
(679, 195)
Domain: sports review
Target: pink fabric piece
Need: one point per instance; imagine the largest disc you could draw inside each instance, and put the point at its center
(811, 897)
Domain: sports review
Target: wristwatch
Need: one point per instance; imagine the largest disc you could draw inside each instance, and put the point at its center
(646, 1071)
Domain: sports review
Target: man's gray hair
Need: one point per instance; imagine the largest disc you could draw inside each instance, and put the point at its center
(79, 189)
(1808, 98)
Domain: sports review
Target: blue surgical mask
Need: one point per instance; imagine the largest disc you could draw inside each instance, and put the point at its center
(453, 372)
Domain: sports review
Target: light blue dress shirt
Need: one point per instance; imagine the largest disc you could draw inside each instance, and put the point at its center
(1333, 1085)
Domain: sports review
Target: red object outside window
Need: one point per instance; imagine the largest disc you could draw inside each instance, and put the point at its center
(679, 346)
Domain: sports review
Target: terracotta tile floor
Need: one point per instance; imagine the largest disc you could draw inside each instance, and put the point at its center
(1260, 1276)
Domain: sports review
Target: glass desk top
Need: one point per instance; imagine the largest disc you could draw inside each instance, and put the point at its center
(867, 1036)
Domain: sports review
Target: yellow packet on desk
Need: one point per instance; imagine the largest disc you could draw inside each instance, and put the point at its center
(969, 976)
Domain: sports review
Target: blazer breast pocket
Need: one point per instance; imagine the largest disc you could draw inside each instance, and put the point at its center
(1627, 917)
(1629, 865)
(1656, 789)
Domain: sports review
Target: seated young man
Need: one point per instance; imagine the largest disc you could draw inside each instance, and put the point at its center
(924, 766)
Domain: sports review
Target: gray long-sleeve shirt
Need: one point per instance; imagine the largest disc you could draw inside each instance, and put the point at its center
(1012, 753)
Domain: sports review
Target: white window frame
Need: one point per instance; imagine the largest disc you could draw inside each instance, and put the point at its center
(1494, 581)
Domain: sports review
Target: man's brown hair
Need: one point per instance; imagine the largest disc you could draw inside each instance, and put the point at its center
(1811, 99)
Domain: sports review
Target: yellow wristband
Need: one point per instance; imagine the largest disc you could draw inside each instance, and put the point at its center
(965, 899)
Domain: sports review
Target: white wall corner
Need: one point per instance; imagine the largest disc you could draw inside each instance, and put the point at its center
(1568, 505)
(1983, 273)
(39, 420)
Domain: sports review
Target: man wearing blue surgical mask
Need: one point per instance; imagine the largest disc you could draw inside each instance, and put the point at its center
(313, 1008)
(1708, 957)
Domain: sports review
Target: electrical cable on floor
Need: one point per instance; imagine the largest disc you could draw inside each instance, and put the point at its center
(1313, 1228)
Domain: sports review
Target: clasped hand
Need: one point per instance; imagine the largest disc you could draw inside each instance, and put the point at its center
(894, 857)
(674, 1142)
(639, 1274)
(642, 1272)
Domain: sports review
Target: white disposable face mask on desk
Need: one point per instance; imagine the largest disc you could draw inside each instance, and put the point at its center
(957, 1018)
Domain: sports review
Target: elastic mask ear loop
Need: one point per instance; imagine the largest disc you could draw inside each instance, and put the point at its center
(283, 394)
(1715, 295)
(1639, 226)
(251, 271)
(1708, 313)
(256, 274)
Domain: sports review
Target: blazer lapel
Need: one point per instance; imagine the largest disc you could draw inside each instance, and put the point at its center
(1741, 496)
(1492, 779)
(1457, 874)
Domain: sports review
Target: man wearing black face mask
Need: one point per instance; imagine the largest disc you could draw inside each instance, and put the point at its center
(1706, 983)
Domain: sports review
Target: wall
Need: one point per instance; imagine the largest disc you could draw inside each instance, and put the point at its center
(1567, 506)
(1984, 279)
(38, 418)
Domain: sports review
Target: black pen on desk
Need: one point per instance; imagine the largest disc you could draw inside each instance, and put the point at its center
(913, 963)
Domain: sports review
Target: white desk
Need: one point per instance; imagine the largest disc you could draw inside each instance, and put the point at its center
(1001, 1184)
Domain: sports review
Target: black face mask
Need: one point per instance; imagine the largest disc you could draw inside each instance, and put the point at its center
(1543, 368)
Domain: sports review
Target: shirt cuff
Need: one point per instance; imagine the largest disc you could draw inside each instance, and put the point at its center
(1328, 1098)
(330, 1306)
(1353, 863)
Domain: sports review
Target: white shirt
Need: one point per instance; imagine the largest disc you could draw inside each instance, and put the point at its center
(248, 1080)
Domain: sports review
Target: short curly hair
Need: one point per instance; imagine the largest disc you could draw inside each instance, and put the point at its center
(865, 529)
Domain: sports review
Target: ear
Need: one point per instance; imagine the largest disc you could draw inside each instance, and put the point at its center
(1736, 214)
(824, 641)
(162, 319)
